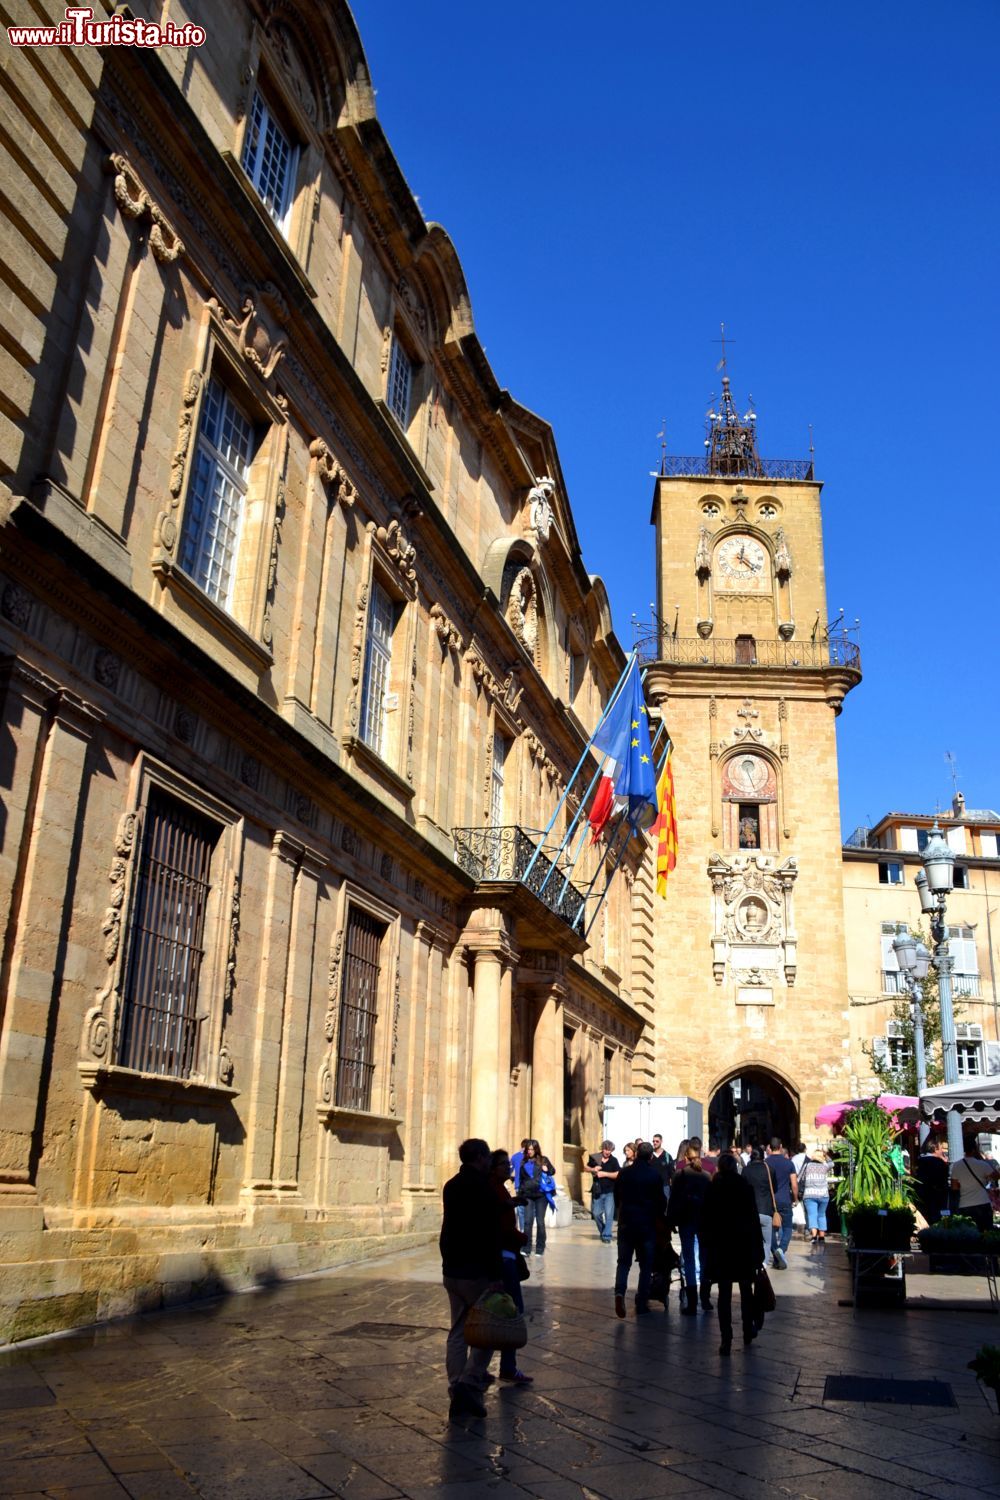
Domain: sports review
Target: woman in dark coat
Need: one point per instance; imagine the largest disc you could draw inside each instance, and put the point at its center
(688, 1193)
(731, 1247)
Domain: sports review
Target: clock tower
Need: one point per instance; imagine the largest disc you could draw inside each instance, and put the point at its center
(750, 984)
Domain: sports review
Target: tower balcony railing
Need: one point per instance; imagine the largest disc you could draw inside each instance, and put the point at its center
(507, 854)
(700, 467)
(747, 651)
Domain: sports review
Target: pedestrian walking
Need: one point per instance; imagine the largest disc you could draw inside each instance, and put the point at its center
(708, 1161)
(511, 1243)
(640, 1205)
(471, 1264)
(785, 1194)
(536, 1184)
(758, 1175)
(933, 1180)
(604, 1170)
(515, 1166)
(629, 1155)
(731, 1247)
(971, 1179)
(687, 1198)
(814, 1191)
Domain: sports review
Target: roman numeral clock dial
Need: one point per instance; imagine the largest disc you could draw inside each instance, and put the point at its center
(741, 565)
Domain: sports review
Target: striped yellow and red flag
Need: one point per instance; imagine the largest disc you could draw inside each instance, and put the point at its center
(665, 826)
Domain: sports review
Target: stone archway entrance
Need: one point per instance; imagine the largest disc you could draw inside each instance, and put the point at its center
(751, 1107)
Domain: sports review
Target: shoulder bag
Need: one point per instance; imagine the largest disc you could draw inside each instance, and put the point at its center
(776, 1220)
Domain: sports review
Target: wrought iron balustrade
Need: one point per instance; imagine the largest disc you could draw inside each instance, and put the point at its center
(746, 651)
(505, 854)
(698, 467)
(967, 985)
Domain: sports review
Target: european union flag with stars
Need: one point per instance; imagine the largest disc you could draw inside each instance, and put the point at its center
(624, 736)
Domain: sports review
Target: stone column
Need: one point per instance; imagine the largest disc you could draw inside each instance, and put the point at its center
(36, 931)
(270, 1018)
(547, 1073)
(489, 1101)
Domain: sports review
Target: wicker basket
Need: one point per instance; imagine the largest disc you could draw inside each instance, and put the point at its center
(484, 1330)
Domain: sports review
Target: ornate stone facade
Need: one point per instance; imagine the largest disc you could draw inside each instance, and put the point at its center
(299, 1096)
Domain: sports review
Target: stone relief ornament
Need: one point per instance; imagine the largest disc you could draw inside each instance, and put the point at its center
(252, 336)
(234, 938)
(332, 474)
(400, 551)
(753, 922)
(522, 610)
(412, 303)
(226, 1069)
(782, 556)
(166, 521)
(135, 203)
(357, 656)
(703, 555)
(447, 632)
(540, 510)
(98, 1024)
(15, 605)
(332, 1018)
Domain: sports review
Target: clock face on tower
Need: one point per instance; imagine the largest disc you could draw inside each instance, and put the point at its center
(741, 566)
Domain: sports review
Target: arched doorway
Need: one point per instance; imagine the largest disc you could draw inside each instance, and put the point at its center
(751, 1107)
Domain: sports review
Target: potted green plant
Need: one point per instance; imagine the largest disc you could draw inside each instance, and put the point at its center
(987, 1369)
(883, 1223)
(956, 1233)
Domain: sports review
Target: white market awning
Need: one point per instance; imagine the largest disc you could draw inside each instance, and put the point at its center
(976, 1099)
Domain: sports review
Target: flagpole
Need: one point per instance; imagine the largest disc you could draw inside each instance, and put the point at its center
(614, 835)
(632, 658)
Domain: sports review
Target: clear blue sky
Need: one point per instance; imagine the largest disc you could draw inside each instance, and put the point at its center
(824, 178)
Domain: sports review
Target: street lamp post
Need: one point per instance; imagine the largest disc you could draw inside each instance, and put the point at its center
(933, 885)
(914, 960)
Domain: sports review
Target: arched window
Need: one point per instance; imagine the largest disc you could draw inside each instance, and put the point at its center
(749, 802)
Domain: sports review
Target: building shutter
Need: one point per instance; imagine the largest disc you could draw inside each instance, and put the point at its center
(890, 963)
(956, 840)
(880, 1051)
(908, 839)
(988, 844)
(993, 1057)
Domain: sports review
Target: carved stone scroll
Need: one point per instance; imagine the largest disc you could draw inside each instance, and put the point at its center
(135, 203)
(332, 474)
(99, 1022)
(166, 521)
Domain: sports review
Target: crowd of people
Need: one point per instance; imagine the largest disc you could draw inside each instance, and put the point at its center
(731, 1213)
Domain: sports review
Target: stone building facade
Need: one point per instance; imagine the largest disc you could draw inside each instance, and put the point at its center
(750, 958)
(297, 644)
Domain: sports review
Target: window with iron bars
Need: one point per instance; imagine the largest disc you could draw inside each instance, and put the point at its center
(159, 1026)
(359, 1010)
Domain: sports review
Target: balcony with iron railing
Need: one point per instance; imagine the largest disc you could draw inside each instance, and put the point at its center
(508, 855)
(965, 985)
(657, 645)
(701, 466)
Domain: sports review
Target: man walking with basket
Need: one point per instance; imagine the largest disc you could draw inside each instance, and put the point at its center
(471, 1265)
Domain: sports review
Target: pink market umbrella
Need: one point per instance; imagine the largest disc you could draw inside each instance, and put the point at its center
(903, 1106)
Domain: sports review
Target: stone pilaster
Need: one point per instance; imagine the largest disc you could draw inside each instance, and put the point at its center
(547, 1072)
(295, 1030)
(36, 932)
(269, 1022)
(493, 957)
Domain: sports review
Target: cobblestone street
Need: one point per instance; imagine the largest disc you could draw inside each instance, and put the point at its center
(335, 1386)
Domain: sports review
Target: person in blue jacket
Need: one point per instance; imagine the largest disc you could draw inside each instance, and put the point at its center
(536, 1184)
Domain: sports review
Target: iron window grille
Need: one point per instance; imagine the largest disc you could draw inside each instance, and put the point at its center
(378, 669)
(400, 383)
(159, 1027)
(213, 519)
(359, 1011)
(269, 160)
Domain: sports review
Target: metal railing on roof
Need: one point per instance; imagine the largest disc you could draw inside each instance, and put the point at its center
(676, 467)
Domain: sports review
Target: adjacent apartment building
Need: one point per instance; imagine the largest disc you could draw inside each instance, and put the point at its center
(299, 652)
(880, 896)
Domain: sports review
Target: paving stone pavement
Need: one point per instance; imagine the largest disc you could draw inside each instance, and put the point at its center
(335, 1386)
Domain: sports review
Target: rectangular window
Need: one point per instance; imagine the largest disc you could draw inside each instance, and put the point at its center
(269, 160)
(749, 825)
(968, 1059)
(609, 1058)
(899, 1052)
(378, 668)
(923, 834)
(496, 781)
(159, 1030)
(960, 878)
(890, 872)
(359, 1010)
(216, 503)
(400, 384)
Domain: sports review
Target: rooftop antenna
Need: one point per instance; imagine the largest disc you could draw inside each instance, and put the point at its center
(662, 435)
(953, 764)
(812, 445)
